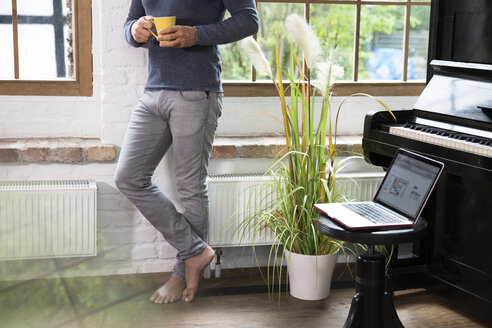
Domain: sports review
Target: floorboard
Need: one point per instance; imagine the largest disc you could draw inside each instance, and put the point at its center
(239, 298)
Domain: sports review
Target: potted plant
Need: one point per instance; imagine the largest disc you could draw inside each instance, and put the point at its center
(306, 174)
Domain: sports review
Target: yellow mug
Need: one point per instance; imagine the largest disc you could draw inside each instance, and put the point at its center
(161, 23)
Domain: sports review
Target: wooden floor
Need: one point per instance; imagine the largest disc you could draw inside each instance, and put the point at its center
(235, 300)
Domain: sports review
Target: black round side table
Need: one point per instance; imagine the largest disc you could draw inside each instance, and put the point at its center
(372, 306)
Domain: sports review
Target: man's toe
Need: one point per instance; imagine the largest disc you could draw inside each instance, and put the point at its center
(189, 296)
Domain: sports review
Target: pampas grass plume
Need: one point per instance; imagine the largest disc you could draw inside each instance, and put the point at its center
(253, 50)
(326, 72)
(302, 34)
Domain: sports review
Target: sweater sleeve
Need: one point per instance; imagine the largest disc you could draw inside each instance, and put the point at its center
(136, 11)
(242, 23)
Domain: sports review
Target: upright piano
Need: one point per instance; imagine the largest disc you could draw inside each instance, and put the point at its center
(451, 122)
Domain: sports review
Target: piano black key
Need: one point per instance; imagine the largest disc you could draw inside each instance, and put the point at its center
(475, 144)
(449, 134)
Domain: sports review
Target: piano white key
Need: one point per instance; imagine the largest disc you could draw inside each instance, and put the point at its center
(443, 141)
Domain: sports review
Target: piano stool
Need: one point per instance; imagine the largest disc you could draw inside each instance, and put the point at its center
(372, 306)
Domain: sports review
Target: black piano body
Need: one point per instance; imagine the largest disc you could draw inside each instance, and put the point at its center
(451, 122)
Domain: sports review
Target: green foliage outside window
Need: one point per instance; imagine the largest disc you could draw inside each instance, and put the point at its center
(334, 25)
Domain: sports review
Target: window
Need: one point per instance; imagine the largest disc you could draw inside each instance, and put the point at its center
(382, 44)
(46, 47)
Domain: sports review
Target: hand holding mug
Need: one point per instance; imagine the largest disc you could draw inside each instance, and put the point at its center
(177, 36)
(168, 34)
(141, 29)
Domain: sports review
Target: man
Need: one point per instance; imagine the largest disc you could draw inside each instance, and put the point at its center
(180, 106)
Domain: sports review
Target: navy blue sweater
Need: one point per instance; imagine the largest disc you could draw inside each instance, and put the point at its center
(197, 67)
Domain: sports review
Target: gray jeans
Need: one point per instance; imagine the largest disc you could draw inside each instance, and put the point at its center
(188, 120)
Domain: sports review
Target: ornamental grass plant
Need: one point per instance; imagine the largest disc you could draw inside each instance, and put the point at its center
(307, 173)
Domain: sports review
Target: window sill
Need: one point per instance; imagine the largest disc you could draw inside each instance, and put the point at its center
(341, 89)
(45, 88)
(77, 150)
(55, 150)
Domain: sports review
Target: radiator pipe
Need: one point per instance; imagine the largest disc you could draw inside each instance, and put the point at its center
(206, 272)
(218, 253)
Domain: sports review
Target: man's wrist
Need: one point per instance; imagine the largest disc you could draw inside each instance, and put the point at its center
(198, 39)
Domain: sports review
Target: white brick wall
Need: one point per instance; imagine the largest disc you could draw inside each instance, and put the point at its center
(127, 242)
(119, 77)
(42, 117)
(255, 115)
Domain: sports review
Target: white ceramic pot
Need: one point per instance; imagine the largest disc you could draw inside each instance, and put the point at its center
(309, 275)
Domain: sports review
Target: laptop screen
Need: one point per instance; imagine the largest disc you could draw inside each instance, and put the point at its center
(407, 184)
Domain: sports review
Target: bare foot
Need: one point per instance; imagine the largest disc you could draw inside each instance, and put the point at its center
(194, 267)
(170, 292)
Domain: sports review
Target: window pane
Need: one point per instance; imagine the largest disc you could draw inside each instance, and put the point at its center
(272, 15)
(45, 40)
(67, 7)
(6, 8)
(418, 42)
(36, 51)
(334, 25)
(6, 40)
(235, 64)
(34, 7)
(381, 42)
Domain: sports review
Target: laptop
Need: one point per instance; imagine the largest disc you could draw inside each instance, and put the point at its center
(399, 200)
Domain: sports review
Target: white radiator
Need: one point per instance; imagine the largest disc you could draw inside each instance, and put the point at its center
(232, 198)
(236, 196)
(46, 219)
(359, 186)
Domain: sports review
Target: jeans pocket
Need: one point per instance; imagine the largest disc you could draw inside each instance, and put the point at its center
(194, 95)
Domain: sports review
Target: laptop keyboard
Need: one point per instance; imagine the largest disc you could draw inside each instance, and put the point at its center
(373, 213)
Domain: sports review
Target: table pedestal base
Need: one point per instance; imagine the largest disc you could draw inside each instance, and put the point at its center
(371, 306)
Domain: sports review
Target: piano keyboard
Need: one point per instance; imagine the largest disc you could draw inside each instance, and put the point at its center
(445, 138)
